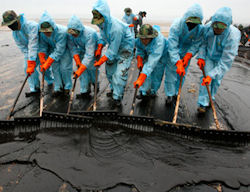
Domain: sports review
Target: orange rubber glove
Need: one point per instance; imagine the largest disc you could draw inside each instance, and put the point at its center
(139, 62)
(101, 61)
(98, 52)
(186, 59)
(31, 65)
(42, 57)
(140, 80)
(77, 60)
(131, 25)
(206, 81)
(201, 63)
(135, 18)
(180, 68)
(79, 71)
(47, 64)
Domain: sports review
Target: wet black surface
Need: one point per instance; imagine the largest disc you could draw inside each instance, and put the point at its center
(114, 160)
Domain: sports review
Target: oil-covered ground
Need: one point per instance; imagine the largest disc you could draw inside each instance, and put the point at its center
(116, 160)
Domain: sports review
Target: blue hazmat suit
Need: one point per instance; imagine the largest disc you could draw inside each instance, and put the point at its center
(119, 52)
(218, 51)
(129, 20)
(55, 47)
(27, 41)
(84, 45)
(180, 42)
(154, 57)
(137, 22)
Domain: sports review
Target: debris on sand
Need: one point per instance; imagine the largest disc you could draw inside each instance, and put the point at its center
(192, 88)
(5, 45)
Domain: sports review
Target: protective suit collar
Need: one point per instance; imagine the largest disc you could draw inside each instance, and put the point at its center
(47, 18)
(223, 15)
(75, 23)
(194, 11)
(102, 7)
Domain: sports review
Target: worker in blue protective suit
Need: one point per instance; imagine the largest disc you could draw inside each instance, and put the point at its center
(138, 21)
(185, 37)
(129, 18)
(82, 43)
(151, 54)
(25, 34)
(119, 53)
(53, 51)
(217, 53)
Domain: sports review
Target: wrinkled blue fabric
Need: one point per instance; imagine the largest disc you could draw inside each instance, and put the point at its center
(55, 47)
(128, 19)
(27, 41)
(154, 57)
(218, 51)
(181, 41)
(84, 45)
(119, 52)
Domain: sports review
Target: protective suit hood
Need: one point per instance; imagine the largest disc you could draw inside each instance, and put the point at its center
(47, 18)
(194, 11)
(75, 23)
(223, 15)
(102, 7)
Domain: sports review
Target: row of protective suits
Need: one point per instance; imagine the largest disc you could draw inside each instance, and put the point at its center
(159, 55)
(218, 51)
(61, 47)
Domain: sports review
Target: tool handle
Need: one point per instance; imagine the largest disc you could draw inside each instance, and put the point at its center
(96, 82)
(95, 93)
(212, 103)
(177, 101)
(134, 98)
(72, 96)
(18, 95)
(42, 94)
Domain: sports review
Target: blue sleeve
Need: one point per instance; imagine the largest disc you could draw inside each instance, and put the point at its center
(202, 52)
(115, 41)
(61, 41)
(72, 46)
(154, 57)
(197, 42)
(90, 47)
(124, 19)
(229, 52)
(33, 42)
(20, 45)
(43, 45)
(173, 42)
(100, 39)
(139, 48)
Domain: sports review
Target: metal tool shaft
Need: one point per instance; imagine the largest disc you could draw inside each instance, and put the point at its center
(71, 96)
(134, 98)
(42, 94)
(18, 95)
(95, 93)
